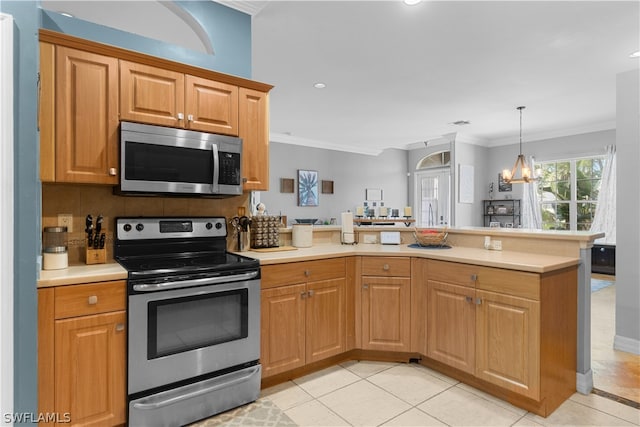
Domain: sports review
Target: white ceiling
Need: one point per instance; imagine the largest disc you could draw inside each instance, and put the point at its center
(397, 74)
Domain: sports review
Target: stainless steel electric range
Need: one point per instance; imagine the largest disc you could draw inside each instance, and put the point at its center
(193, 317)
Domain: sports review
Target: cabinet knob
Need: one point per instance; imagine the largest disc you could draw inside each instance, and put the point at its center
(310, 294)
(478, 301)
(365, 286)
(303, 295)
(113, 171)
(190, 117)
(468, 299)
(119, 327)
(180, 116)
(385, 267)
(307, 273)
(474, 277)
(92, 300)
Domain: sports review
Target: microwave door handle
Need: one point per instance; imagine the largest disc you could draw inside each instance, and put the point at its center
(215, 185)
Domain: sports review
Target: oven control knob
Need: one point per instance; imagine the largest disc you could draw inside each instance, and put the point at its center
(209, 226)
(218, 225)
(139, 227)
(127, 227)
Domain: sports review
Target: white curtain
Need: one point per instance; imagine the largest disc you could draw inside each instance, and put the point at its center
(605, 216)
(531, 216)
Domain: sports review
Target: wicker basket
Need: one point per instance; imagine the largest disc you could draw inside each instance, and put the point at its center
(430, 237)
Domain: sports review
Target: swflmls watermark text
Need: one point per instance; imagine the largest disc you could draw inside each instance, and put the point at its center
(41, 417)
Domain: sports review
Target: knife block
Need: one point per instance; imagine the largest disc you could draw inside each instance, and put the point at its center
(95, 256)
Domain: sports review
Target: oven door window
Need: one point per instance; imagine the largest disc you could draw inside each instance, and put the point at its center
(188, 323)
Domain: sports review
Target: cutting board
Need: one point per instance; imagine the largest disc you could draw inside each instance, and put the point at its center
(278, 249)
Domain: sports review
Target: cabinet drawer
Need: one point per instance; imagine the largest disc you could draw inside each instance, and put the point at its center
(94, 298)
(449, 272)
(516, 283)
(302, 272)
(386, 266)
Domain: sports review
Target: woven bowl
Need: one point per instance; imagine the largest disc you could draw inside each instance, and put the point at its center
(430, 237)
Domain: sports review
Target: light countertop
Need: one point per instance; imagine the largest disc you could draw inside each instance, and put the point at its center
(535, 263)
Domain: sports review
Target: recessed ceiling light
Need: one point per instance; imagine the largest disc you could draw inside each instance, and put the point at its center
(635, 55)
(67, 14)
(319, 85)
(461, 122)
(411, 2)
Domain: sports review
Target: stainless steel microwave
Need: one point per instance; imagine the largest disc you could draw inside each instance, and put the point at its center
(167, 161)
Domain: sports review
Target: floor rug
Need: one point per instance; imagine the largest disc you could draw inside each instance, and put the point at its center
(597, 284)
(262, 412)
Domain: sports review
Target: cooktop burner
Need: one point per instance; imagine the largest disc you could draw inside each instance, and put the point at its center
(186, 263)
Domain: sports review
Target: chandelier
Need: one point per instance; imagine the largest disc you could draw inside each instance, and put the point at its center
(525, 175)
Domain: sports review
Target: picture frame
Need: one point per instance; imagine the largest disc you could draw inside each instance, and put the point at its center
(494, 224)
(327, 187)
(373, 194)
(287, 185)
(307, 188)
(502, 185)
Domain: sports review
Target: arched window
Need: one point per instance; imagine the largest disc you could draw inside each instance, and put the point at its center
(435, 160)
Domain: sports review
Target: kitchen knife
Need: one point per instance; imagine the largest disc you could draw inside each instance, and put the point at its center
(89, 230)
(102, 239)
(96, 240)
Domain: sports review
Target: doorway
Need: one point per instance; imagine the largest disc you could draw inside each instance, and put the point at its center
(433, 188)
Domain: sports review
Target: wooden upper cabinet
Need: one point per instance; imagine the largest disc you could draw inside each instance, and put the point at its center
(155, 95)
(151, 95)
(211, 106)
(86, 110)
(254, 131)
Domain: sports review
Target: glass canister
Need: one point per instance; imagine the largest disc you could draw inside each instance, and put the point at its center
(54, 248)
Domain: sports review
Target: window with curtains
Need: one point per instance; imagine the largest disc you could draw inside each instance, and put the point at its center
(568, 192)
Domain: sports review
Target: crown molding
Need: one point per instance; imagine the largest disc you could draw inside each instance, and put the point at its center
(558, 133)
(251, 7)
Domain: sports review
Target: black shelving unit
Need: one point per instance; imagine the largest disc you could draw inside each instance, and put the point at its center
(506, 212)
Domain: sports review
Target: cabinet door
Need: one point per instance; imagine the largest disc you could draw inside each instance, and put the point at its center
(282, 337)
(211, 106)
(386, 313)
(451, 325)
(90, 369)
(508, 342)
(325, 319)
(86, 131)
(254, 131)
(151, 95)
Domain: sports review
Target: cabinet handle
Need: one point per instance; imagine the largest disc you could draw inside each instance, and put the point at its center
(385, 267)
(307, 273)
(180, 116)
(478, 301)
(303, 295)
(190, 117)
(113, 171)
(310, 294)
(365, 286)
(468, 299)
(119, 327)
(474, 277)
(92, 300)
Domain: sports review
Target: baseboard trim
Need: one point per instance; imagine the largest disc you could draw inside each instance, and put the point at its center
(628, 345)
(584, 382)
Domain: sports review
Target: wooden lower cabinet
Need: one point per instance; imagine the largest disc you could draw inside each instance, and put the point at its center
(303, 322)
(82, 353)
(386, 315)
(511, 329)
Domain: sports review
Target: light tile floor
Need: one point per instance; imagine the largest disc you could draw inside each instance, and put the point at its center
(395, 394)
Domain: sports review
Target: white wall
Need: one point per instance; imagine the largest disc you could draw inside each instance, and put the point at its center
(628, 206)
(351, 174)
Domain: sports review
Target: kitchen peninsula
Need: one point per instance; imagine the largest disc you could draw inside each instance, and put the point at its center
(331, 302)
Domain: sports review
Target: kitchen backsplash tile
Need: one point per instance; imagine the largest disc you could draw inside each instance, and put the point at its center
(80, 200)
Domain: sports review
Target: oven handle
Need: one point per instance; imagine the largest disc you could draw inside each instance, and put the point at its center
(190, 395)
(153, 287)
